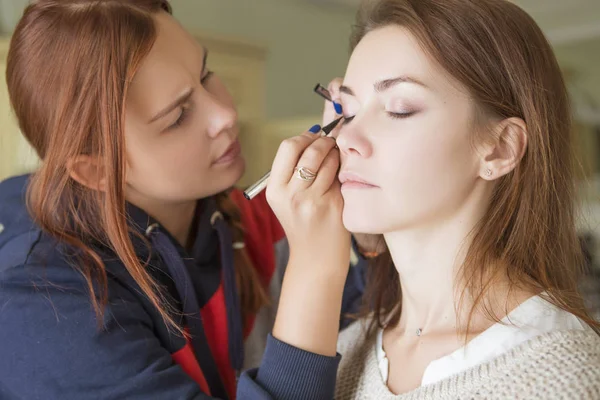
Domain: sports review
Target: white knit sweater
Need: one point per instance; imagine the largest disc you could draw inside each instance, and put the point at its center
(557, 365)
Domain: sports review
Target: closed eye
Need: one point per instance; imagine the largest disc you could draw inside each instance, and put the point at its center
(401, 115)
(394, 115)
(181, 119)
(206, 77)
(186, 109)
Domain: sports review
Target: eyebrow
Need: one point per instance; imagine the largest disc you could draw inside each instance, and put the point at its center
(183, 98)
(386, 84)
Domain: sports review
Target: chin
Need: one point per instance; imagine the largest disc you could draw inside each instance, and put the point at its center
(239, 168)
(230, 176)
(360, 222)
(220, 181)
(363, 214)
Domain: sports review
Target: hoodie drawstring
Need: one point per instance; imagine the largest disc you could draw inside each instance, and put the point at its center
(191, 308)
(232, 299)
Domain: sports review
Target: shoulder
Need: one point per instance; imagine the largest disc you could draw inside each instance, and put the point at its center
(54, 300)
(560, 364)
(572, 350)
(357, 349)
(35, 258)
(568, 345)
(55, 283)
(51, 282)
(355, 344)
(354, 334)
(48, 262)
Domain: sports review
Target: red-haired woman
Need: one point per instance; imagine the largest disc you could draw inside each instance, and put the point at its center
(128, 269)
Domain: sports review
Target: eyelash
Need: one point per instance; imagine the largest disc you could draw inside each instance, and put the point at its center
(206, 77)
(185, 110)
(400, 115)
(181, 119)
(347, 120)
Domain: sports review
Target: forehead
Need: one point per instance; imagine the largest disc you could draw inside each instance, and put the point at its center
(171, 66)
(393, 51)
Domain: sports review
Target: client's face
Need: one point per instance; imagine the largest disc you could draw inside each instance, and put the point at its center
(408, 161)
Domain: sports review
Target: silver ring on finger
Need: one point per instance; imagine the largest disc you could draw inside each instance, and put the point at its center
(305, 174)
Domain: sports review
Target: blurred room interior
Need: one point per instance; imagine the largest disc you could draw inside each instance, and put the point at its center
(271, 53)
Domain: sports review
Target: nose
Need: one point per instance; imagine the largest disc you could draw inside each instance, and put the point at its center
(222, 116)
(352, 141)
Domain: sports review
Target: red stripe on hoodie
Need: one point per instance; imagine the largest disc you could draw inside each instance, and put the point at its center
(187, 360)
(214, 318)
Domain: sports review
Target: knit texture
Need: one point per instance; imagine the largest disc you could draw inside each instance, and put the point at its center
(557, 365)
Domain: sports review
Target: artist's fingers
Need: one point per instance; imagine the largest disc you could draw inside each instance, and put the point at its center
(311, 160)
(334, 89)
(328, 171)
(288, 155)
(333, 109)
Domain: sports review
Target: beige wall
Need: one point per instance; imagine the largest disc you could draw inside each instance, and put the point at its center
(15, 154)
(584, 59)
(305, 44)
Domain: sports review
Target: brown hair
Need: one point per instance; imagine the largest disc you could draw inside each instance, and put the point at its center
(502, 58)
(66, 58)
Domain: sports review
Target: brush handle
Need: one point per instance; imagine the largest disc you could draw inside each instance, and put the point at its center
(323, 92)
(258, 187)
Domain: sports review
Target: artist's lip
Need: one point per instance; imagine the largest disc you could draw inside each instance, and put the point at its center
(352, 180)
(230, 154)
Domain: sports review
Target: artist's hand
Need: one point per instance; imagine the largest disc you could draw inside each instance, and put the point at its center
(310, 212)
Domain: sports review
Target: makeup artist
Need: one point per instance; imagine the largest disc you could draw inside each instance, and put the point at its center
(128, 266)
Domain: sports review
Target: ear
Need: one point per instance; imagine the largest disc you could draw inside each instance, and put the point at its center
(504, 153)
(87, 171)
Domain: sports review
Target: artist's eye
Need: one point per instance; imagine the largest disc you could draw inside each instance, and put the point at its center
(206, 77)
(181, 119)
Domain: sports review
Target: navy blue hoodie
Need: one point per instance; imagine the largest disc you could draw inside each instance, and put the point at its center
(51, 346)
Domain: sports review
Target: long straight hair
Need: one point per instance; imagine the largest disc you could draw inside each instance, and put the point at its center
(528, 233)
(70, 65)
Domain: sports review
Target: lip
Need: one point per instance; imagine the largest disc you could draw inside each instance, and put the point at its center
(230, 154)
(354, 181)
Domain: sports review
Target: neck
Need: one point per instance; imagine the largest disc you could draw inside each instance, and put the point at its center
(428, 259)
(176, 218)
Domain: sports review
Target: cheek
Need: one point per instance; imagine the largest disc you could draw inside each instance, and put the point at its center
(424, 172)
(218, 89)
(169, 165)
(435, 154)
(435, 173)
